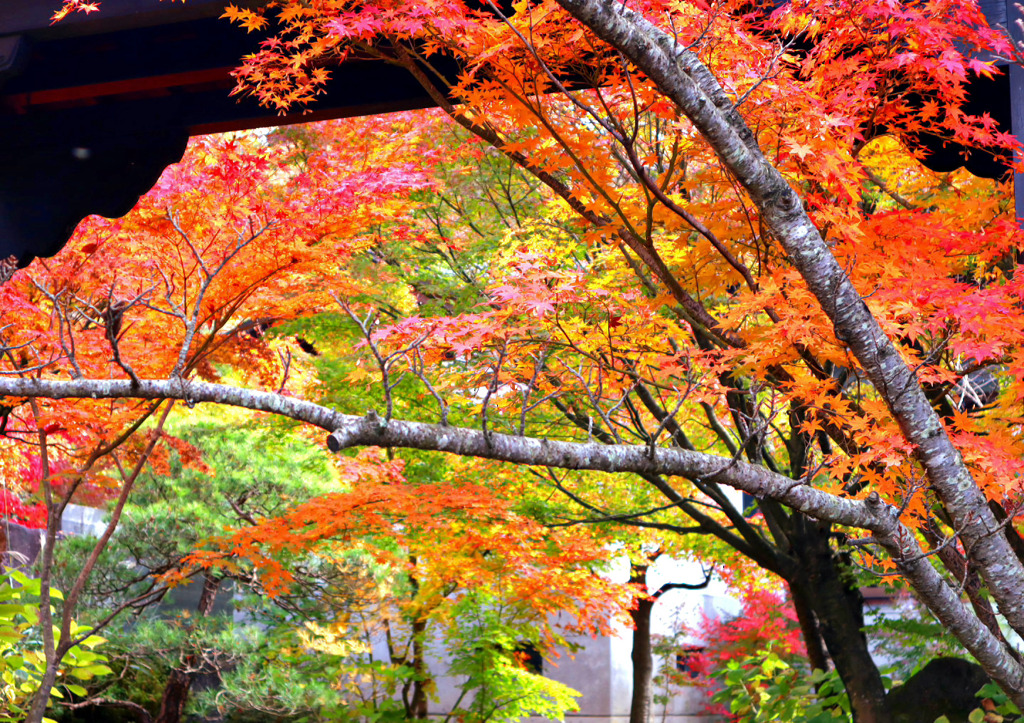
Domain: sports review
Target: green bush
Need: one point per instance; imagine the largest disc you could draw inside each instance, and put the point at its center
(763, 687)
(22, 660)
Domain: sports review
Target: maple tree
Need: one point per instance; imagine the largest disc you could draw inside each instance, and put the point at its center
(766, 619)
(209, 293)
(460, 565)
(744, 286)
(725, 657)
(75, 308)
(391, 561)
(496, 200)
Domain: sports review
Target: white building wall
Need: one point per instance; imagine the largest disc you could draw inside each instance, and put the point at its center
(602, 669)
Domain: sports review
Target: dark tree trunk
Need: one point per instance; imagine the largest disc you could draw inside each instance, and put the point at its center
(643, 661)
(839, 610)
(418, 705)
(179, 683)
(809, 628)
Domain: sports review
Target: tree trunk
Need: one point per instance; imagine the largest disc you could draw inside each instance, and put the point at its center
(643, 661)
(809, 627)
(838, 609)
(418, 705)
(179, 683)
(52, 650)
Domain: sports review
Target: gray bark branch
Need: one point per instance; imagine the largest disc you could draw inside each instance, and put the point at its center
(347, 431)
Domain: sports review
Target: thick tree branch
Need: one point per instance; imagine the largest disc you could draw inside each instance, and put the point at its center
(351, 431)
(348, 431)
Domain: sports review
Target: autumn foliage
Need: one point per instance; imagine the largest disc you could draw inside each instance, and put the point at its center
(29, 515)
(452, 538)
(766, 621)
(724, 264)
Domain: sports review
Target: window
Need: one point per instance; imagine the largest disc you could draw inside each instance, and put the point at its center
(687, 660)
(529, 658)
